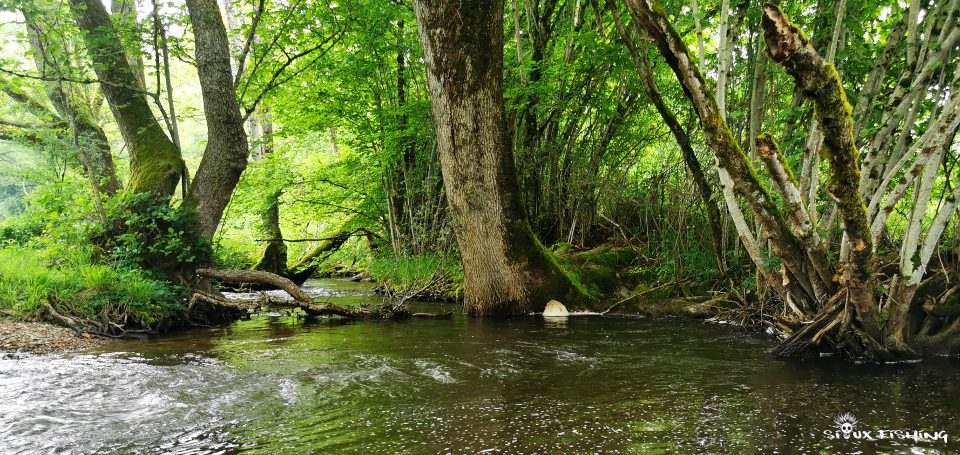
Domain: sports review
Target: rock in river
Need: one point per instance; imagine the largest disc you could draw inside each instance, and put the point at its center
(554, 309)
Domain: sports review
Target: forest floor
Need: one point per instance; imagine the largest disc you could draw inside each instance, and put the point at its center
(18, 337)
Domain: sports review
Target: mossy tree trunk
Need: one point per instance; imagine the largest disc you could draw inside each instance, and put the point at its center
(68, 109)
(155, 163)
(90, 134)
(506, 269)
(309, 263)
(819, 82)
(807, 285)
(274, 257)
(839, 305)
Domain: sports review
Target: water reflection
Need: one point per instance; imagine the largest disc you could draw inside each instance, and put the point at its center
(555, 322)
(526, 385)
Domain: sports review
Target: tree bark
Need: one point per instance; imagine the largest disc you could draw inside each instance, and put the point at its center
(225, 156)
(506, 269)
(820, 82)
(155, 163)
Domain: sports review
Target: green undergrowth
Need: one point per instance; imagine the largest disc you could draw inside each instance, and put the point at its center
(56, 255)
(435, 277)
(76, 286)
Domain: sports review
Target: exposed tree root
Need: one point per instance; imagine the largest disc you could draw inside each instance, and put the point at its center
(110, 324)
(835, 324)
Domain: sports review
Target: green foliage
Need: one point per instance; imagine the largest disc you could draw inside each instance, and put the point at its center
(146, 232)
(58, 213)
(79, 287)
(407, 272)
(46, 256)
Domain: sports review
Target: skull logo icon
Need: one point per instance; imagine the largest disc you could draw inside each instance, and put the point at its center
(846, 423)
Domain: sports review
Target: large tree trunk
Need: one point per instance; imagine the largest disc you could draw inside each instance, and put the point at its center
(225, 157)
(506, 269)
(155, 163)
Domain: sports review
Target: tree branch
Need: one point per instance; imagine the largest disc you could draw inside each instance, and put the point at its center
(242, 58)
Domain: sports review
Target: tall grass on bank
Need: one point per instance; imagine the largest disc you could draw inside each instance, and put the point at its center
(437, 277)
(78, 287)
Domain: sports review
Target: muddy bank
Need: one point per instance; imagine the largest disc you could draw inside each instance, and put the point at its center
(41, 338)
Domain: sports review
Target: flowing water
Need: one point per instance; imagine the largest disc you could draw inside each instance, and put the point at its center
(278, 384)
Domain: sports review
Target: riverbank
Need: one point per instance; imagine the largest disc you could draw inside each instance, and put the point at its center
(22, 337)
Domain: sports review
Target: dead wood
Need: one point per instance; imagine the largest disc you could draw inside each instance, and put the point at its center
(433, 315)
(259, 277)
(642, 293)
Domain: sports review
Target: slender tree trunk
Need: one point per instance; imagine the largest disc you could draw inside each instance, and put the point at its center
(225, 156)
(689, 156)
(400, 172)
(701, 51)
(160, 41)
(99, 155)
(506, 269)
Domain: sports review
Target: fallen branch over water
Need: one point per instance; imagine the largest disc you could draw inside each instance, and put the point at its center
(433, 315)
(259, 277)
(642, 293)
(301, 299)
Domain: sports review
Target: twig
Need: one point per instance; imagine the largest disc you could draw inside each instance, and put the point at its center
(639, 294)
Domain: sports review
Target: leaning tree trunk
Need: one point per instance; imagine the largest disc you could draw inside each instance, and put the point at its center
(225, 156)
(839, 307)
(155, 162)
(506, 269)
(70, 111)
(689, 156)
(807, 275)
(819, 81)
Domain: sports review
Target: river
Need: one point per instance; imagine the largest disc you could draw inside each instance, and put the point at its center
(281, 384)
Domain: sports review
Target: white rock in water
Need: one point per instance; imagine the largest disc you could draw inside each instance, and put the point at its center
(555, 308)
